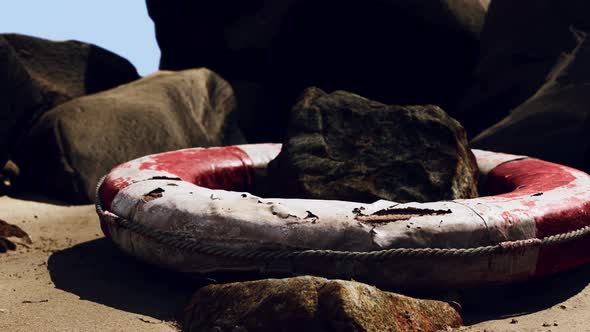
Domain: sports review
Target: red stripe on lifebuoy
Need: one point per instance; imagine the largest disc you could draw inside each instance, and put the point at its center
(227, 168)
(107, 193)
(528, 176)
(564, 256)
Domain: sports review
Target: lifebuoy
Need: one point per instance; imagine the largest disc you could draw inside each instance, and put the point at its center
(189, 210)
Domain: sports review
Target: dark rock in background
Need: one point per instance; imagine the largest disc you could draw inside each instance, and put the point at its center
(521, 42)
(69, 69)
(312, 304)
(554, 124)
(401, 52)
(345, 147)
(20, 99)
(76, 143)
(37, 75)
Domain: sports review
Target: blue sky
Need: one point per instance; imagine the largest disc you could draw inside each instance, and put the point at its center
(121, 26)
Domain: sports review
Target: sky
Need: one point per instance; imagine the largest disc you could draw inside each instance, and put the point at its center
(120, 26)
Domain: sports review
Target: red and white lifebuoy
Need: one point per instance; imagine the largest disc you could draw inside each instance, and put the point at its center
(190, 210)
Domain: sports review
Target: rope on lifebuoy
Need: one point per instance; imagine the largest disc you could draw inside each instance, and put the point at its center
(190, 245)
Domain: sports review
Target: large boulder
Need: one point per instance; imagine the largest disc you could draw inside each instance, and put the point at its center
(343, 146)
(312, 304)
(401, 52)
(21, 98)
(37, 75)
(521, 43)
(69, 69)
(554, 124)
(76, 143)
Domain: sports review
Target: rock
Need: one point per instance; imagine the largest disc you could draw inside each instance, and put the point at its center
(554, 124)
(400, 52)
(39, 74)
(521, 42)
(76, 143)
(11, 231)
(345, 147)
(21, 98)
(69, 69)
(485, 3)
(8, 174)
(312, 304)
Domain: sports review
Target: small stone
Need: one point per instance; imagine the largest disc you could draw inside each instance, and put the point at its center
(149, 320)
(514, 321)
(546, 324)
(11, 231)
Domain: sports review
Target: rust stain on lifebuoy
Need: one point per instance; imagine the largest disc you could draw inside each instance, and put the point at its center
(156, 193)
(398, 214)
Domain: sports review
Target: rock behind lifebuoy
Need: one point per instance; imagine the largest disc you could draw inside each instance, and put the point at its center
(554, 123)
(38, 75)
(345, 147)
(78, 142)
(403, 52)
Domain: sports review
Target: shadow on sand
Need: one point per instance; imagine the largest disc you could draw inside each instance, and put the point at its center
(97, 271)
(523, 298)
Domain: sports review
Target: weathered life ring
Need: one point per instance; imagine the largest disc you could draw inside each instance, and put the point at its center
(189, 210)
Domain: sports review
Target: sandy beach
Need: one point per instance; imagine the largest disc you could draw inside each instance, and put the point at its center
(73, 279)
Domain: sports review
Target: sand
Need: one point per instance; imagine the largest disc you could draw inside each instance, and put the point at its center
(73, 279)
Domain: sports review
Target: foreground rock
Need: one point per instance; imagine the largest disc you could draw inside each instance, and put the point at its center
(343, 146)
(401, 52)
(554, 124)
(312, 304)
(75, 144)
(521, 43)
(39, 74)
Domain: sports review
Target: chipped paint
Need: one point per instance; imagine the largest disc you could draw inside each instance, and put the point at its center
(154, 194)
